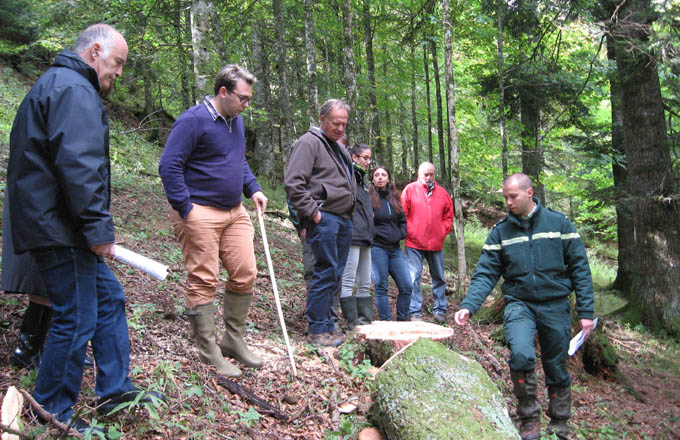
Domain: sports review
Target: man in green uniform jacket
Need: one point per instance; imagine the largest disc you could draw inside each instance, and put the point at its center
(542, 260)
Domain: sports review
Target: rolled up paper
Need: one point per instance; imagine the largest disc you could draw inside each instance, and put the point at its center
(153, 268)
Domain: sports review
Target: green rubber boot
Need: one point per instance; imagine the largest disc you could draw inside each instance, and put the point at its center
(348, 305)
(234, 313)
(202, 319)
(365, 309)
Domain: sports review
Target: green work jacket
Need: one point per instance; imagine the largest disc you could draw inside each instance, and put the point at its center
(541, 258)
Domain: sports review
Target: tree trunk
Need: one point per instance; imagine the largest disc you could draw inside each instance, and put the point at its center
(430, 151)
(206, 63)
(264, 155)
(404, 143)
(350, 77)
(531, 158)
(455, 168)
(379, 153)
(414, 118)
(440, 115)
(501, 87)
(283, 111)
(655, 287)
(313, 90)
(388, 127)
(182, 56)
(624, 216)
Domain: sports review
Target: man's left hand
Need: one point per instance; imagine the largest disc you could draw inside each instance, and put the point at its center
(260, 201)
(586, 326)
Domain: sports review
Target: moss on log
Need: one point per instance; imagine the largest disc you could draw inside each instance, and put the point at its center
(431, 392)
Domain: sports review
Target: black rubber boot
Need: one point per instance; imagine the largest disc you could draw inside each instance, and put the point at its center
(348, 305)
(34, 327)
(524, 388)
(559, 410)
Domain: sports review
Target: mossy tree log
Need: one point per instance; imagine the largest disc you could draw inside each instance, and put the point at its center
(431, 392)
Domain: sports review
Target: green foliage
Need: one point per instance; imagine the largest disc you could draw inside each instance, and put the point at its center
(249, 418)
(347, 353)
(348, 428)
(17, 21)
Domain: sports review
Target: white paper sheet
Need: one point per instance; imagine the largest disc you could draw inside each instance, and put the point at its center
(579, 339)
(153, 268)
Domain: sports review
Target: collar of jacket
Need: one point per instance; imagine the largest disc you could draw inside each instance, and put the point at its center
(73, 61)
(316, 131)
(532, 218)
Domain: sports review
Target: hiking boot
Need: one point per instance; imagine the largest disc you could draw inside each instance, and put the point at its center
(524, 388)
(234, 313)
(325, 339)
(416, 317)
(439, 317)
(559, 409)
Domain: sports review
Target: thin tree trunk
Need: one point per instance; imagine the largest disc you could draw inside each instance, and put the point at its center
(440, 114)
(501, 87)
(350, 77)
(204, 47)
(655, 287)
(182, 56)
(191, 68)
(378, 152)
(404, 143)
(461, 287)
(283, 110)
(312, 90)
(530, 118)
(414, 118)
(264, 154)
(430, 151)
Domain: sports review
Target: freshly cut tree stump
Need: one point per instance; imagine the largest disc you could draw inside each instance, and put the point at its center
(431, 392)
(384, 338)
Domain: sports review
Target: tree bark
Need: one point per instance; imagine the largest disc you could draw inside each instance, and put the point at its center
(204, 47)
(440, 115)
(414, 118)
(501, 87)
(312, 89)
(379, 153)
(184, 74)
(455, 168)
(264, 154)
(350, 77)
(531, 154)
(655, 287)
(430, 151)
(283, 111)
(624, 216)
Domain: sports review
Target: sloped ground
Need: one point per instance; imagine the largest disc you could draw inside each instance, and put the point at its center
(163, 356)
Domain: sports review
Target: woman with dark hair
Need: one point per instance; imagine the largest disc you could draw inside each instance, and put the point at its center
(359, 309)
(386, 254)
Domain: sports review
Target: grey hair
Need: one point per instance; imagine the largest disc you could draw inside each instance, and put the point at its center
(97, 33)
(230, 74)
(423, 165)
(331, 104)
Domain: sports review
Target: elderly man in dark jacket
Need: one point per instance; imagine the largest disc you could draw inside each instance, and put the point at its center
(59, 195)
(320, 185)
(542, 260)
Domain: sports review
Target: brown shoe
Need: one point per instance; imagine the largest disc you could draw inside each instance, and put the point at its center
(325, 339)
(530, 430)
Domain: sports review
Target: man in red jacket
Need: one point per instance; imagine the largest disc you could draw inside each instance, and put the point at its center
(429, 219)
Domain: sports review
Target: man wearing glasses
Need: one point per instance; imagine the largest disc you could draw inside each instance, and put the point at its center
(204, 171)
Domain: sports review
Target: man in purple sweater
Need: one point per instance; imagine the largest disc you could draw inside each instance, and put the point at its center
(204, 171)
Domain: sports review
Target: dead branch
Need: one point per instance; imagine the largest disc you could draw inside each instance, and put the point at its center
(333, 409)
(265, 407)
(9, 430)
(49, 417)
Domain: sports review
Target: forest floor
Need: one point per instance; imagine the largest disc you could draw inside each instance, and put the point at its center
(163, 356)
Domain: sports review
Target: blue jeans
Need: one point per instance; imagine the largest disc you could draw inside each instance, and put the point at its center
(88, 304)
(330, 240)
(393, 262)
(435, 261)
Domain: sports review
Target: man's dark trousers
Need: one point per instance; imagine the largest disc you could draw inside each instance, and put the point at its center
(88, 303)
(330, 240)
(551, 319)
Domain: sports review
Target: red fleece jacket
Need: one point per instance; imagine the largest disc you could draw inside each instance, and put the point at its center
(428, 219)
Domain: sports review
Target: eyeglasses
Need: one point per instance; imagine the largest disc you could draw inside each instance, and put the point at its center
(243, 99)
(365, 157)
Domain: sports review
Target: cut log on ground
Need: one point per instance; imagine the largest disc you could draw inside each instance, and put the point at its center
(429, 391)
(382, 339)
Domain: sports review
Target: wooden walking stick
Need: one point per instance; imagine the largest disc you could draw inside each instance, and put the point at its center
(276, 291)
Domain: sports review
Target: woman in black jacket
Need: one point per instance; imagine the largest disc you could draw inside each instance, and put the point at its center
(359, 309)
(386, 254)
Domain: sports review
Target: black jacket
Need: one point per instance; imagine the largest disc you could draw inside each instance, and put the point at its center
(362, 219)
(390, 227)
(59, 172)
